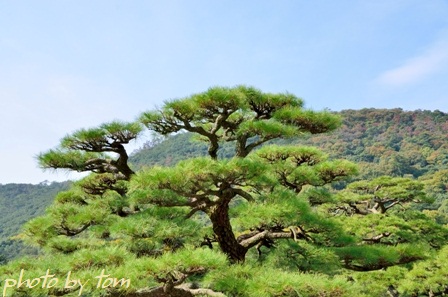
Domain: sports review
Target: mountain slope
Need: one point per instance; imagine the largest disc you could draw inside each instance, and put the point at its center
(18, 204)
(389, 141)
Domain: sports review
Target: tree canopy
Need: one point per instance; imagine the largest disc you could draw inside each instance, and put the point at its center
(243, 115)
(86, 150)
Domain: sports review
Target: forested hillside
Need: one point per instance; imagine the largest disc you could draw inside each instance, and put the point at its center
(18, 204)
(397, 142)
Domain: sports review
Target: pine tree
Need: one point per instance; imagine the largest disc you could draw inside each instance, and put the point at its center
(262, 223)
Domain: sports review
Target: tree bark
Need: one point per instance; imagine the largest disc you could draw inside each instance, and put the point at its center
(122, 162)
(219, 216)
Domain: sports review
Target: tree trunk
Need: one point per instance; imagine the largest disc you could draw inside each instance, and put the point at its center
(240, 149)
(213, 150)
(219, 215)
(122, 162)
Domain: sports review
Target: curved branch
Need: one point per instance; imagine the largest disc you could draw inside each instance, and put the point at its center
(174, 286)
(244, 194)
(64, 230)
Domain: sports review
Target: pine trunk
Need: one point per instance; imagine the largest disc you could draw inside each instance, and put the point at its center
(219, 215)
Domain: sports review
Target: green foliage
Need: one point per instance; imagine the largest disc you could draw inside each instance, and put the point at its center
(309, 121)
(367, 258)
(92, 150)
(282, 208)
(73, 160)
(95, 139)
(249, 280)
(265, 129)
(427, 276)
(382, 194)
(194, 177)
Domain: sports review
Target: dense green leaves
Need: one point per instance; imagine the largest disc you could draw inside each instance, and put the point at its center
(102, 138)
(89, 150)
(196, 179)
(383, 193)
(73, 160)
(307, 120)
(296, 167)
(251, 281)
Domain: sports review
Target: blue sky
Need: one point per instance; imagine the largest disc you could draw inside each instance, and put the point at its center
(66, 65)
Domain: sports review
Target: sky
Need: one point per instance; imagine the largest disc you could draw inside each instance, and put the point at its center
(67, 65)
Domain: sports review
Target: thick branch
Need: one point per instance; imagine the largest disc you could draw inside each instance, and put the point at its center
(244, 194)
(174, 286)
(284, 181)
(254, 144)
(293, 233)
(392, 204)
(64, 230)
(177, 291)
(379, 266)
(266, 237)
(377, 238)
(122, 162)
(200, 291)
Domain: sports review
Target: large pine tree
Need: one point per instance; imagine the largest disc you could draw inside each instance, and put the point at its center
(263, 223)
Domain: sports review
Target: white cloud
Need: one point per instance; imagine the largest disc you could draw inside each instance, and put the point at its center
(416, 69)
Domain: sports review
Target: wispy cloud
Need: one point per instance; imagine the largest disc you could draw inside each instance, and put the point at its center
(433, 60)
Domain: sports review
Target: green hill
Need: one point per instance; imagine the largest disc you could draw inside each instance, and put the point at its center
(18, 204)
